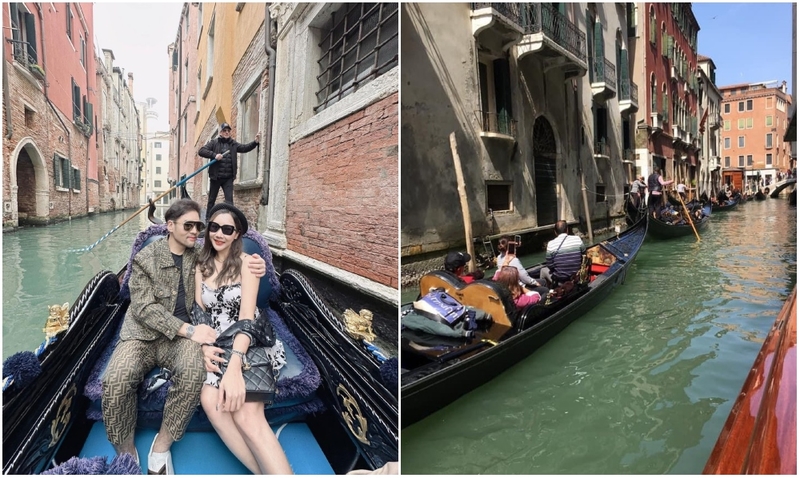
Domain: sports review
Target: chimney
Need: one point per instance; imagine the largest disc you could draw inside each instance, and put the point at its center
(130, 83)
(783, 86)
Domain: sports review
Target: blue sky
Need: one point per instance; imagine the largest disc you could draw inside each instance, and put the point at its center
(749, 42)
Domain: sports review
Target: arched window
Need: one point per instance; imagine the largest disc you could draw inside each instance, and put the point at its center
(653, 94)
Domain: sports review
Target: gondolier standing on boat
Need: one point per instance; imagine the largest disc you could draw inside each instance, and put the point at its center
(656, 183)
(222, 173)
(637, 191)
(157, 331)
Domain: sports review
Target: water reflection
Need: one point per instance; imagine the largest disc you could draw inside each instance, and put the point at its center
(644, 382)
(37, 270)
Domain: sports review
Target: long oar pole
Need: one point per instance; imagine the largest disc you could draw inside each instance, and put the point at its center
(177, 185)
(462, 194)
(689, 217)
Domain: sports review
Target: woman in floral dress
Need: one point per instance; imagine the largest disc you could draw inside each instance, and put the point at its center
(228, 290)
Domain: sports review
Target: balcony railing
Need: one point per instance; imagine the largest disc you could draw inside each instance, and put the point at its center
(543, 18)
(497, 123)
(628, 91)
(601, 148)
(508, 10)
(604, 69)
(23, 52)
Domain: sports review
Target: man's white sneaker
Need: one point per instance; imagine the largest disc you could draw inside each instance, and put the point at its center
(159, 463)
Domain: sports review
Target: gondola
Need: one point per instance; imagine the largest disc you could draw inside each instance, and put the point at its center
(660, 229)
(760, 195)
(730, 205)
(335, 408)
(759, 437)
(435, 371)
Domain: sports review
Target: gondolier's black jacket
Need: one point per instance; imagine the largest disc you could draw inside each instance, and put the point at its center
(226, 167)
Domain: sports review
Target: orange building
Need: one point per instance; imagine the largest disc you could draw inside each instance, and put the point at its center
(754, 121)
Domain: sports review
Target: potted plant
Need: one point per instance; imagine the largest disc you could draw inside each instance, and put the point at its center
(37, 70)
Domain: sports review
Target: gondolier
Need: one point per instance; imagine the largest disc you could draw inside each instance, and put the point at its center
(223, 173)
(656, 183)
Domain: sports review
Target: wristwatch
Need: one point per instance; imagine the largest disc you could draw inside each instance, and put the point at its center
(189, 331)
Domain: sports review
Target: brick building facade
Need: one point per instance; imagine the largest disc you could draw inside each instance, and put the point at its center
(755, 118)
(51, 101)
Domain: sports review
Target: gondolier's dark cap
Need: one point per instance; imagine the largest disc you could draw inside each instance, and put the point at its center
(239, 215)
(454, 260)
(224, 126)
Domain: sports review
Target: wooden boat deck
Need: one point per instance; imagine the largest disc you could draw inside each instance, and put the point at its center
(760, 435)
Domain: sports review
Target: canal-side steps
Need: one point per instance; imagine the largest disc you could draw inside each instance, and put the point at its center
(760, 434)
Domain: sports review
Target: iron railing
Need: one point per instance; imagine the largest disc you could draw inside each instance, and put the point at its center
(628, 91)
(23, 52)
(501, 123)
(604, 69)
(508, 10)
(602, 148)
(544, 18)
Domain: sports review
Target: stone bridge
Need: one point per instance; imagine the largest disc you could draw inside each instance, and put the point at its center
(775, 189)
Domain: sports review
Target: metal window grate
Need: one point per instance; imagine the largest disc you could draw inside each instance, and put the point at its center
(359, 44)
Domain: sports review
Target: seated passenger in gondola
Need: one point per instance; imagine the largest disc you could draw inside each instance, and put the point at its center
(508, 276)
(564, 256)
(455, 262)
(508, 257)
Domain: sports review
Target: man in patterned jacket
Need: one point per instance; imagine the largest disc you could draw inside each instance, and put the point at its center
(157, 331)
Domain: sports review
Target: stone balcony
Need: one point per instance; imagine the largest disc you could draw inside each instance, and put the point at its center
(628, 96)
(604, 79)
(497, 25)
(552, 37)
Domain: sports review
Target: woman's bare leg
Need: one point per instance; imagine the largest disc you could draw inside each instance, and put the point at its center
(261, 440)
(227, 429)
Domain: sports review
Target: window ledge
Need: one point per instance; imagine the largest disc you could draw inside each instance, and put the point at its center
(373, 91)
(63, 190)
(26, 73)
(209, 80)
(248, 184)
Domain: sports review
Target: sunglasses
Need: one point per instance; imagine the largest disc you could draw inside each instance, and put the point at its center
(228, 230)
(189, 225)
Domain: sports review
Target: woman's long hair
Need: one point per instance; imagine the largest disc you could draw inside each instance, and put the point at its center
(232, 267)
(509, 277)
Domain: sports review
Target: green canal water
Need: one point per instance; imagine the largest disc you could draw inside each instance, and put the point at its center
(643, 383)
(38, 272)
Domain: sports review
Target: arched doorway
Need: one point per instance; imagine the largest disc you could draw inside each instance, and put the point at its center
(544, 171)
(30, 194)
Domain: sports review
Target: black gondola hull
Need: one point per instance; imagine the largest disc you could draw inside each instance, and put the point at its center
(662, 230)
(433, 386)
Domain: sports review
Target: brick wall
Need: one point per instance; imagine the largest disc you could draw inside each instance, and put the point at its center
(48, 135)
(343, 193)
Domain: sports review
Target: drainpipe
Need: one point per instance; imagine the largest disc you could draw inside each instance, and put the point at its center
(7, 101)
(55, 111)
(270, 95)
(179, 47)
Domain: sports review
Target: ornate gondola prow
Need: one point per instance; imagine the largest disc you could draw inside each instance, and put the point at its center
(184, 192)
(151, 213)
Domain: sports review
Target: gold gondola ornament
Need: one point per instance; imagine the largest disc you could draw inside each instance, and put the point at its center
(57, 321)
(359, 325)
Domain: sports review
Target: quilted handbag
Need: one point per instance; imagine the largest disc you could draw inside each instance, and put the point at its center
(257, 371)
(259, 377)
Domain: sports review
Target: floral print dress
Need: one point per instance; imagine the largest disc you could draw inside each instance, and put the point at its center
(223, 304)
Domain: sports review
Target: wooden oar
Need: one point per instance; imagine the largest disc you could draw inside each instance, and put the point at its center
(689, 217)
(179, 183)
(462, 195)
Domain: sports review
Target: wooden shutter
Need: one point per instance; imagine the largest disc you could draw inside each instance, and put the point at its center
(89, 117)
(30, 37)
(15, 31)
(623, 65)
(502, 89)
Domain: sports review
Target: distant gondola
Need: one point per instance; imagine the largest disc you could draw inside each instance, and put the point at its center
(728, 206)
(438, 370)
(663, 230)
(760, 195)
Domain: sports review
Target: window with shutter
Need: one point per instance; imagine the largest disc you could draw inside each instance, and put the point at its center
(502, 85)
(30, 37)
